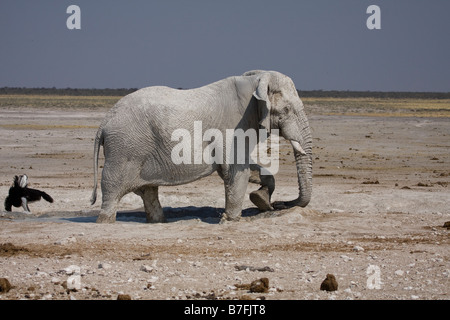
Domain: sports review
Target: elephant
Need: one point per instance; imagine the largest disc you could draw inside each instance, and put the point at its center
(137, 139)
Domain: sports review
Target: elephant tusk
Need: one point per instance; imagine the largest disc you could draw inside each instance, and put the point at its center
(296, 145)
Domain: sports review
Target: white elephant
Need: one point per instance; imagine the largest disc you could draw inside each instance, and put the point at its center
(137, 140)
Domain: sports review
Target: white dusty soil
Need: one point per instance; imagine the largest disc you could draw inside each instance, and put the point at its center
(380, 200)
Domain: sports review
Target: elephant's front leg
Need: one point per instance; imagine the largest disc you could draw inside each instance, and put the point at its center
(153, 209)
(236, 182)
(261, 197)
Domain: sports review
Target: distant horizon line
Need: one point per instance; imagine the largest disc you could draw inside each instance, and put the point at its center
(320, 93)
(180, 88)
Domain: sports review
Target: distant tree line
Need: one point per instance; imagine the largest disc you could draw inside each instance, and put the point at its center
(67, 91)
(373, 94)
(302, 93)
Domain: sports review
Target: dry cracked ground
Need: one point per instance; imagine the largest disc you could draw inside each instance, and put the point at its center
(376, 219)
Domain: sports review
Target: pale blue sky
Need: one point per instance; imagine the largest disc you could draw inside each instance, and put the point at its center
(320, 44)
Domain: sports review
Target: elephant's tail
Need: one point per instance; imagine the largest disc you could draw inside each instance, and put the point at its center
(98, 143)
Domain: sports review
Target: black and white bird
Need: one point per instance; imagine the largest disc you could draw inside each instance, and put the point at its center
(21, 195)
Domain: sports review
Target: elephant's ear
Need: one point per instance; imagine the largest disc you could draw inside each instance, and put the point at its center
(262, 95)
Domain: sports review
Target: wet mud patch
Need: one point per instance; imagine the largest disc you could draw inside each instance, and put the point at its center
(8, 250)
(309, 247)
(40, 251)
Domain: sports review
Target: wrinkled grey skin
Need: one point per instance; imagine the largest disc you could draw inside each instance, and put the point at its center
(136, 139)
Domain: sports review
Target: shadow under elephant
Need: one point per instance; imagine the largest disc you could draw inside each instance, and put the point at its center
(209, 215)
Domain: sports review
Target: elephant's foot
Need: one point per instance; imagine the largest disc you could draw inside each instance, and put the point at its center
(105, 218)
(227, 217)
(156, 218)
(261, 199)
(153, 210)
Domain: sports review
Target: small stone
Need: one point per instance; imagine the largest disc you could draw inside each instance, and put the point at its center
(56, 280)
(153, 279)
(399, 272)
(66, 241)
(41, 274)
(5, 286)
(123, 297)
(330, 283)
(346, 258)
(337, 211)
(146, 268)
(104, 266)
(446, 225)
(71, 269)
(73, 284)
(358, 249)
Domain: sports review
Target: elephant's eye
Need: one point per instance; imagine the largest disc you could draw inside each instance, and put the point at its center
(283, 115)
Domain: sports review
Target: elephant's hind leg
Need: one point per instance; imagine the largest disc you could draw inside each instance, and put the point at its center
(108, 211)
(153, 209)
(112, 192)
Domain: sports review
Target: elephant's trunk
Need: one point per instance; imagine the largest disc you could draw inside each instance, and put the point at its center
(303, 162)
(304, 176)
